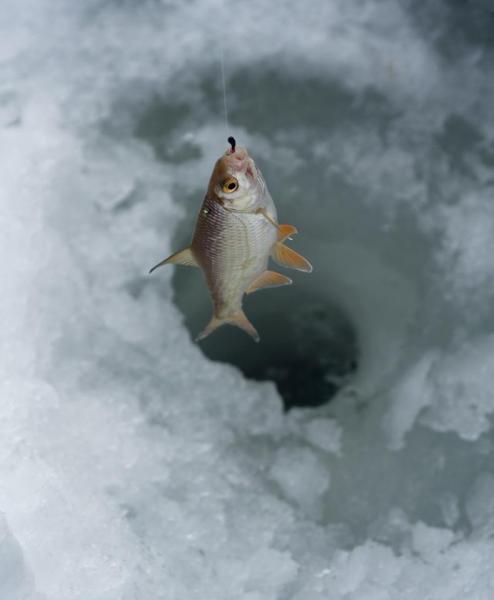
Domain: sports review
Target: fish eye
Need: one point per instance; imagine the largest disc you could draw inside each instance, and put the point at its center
(229, 185)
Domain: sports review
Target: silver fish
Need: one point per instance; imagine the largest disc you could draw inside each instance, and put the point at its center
(236, 232)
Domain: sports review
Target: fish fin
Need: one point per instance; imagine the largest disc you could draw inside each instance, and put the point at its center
(268, 279)
(267, 216)
(286, 257)
(238, 319)
(183, 257)
(285, 231)
(211, 326)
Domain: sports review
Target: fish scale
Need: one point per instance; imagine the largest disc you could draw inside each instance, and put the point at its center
(232, 248)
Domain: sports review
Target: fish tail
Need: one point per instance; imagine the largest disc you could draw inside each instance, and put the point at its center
(211, 326)
(238, 319)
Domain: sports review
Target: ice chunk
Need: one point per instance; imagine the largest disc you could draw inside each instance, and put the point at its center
(301, 475)
(460, 389)
(368, 569)
(430, 540)
(410, 396)
(263, 575)
(468, 246)
(324, 433)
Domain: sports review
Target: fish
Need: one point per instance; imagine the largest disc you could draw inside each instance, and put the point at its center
(236, 233)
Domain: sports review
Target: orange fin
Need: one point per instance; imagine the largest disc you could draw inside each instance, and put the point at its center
(184, 257)
(268, 279)
(238, 319)
(285, 231)
(211, 326)
(286, 257)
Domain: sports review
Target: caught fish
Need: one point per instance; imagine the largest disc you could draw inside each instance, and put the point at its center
(236, 232)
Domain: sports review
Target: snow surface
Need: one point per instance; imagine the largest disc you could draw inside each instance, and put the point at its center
(131, 467)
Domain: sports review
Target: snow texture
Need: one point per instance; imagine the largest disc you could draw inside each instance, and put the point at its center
(131, 467)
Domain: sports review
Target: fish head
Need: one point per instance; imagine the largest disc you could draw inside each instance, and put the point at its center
(236, 182)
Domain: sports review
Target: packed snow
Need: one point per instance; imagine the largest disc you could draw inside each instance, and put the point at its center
(132, 467)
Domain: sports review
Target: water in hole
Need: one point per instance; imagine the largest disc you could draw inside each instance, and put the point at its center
(308, 346)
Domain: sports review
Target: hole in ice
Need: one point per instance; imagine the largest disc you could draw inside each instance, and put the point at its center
(308, 346)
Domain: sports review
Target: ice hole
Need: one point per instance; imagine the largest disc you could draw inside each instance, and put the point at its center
(308, 345)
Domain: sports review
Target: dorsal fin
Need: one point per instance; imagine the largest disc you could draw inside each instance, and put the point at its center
(183, 257)
(268, 279)
(286, 257)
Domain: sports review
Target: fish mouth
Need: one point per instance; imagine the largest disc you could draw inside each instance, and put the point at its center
(239, 161)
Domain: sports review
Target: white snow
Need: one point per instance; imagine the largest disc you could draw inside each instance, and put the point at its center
(303, 484)
(131, 467)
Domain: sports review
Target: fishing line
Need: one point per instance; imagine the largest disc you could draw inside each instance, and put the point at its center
(231, 139)
(223, 81)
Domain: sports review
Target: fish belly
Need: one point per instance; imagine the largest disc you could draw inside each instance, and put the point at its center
(232, 249)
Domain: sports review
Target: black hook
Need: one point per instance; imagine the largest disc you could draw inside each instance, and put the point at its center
(232, 142)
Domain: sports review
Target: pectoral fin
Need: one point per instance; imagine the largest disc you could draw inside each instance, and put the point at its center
(238, 319)
(285, 231)
(268, 279)
(286, 257)
(184, 257)
(267, 216)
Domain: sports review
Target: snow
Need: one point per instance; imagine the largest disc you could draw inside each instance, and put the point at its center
(324, 433)
(15, 577)
(131, 466)
(306, 483)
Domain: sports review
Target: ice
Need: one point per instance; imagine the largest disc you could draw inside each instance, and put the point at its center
(324, 433)
(131, 466)
(411, 395)
(427, 540)
(304, 484)
(15, 579)
(463, 373)
(479, 507)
